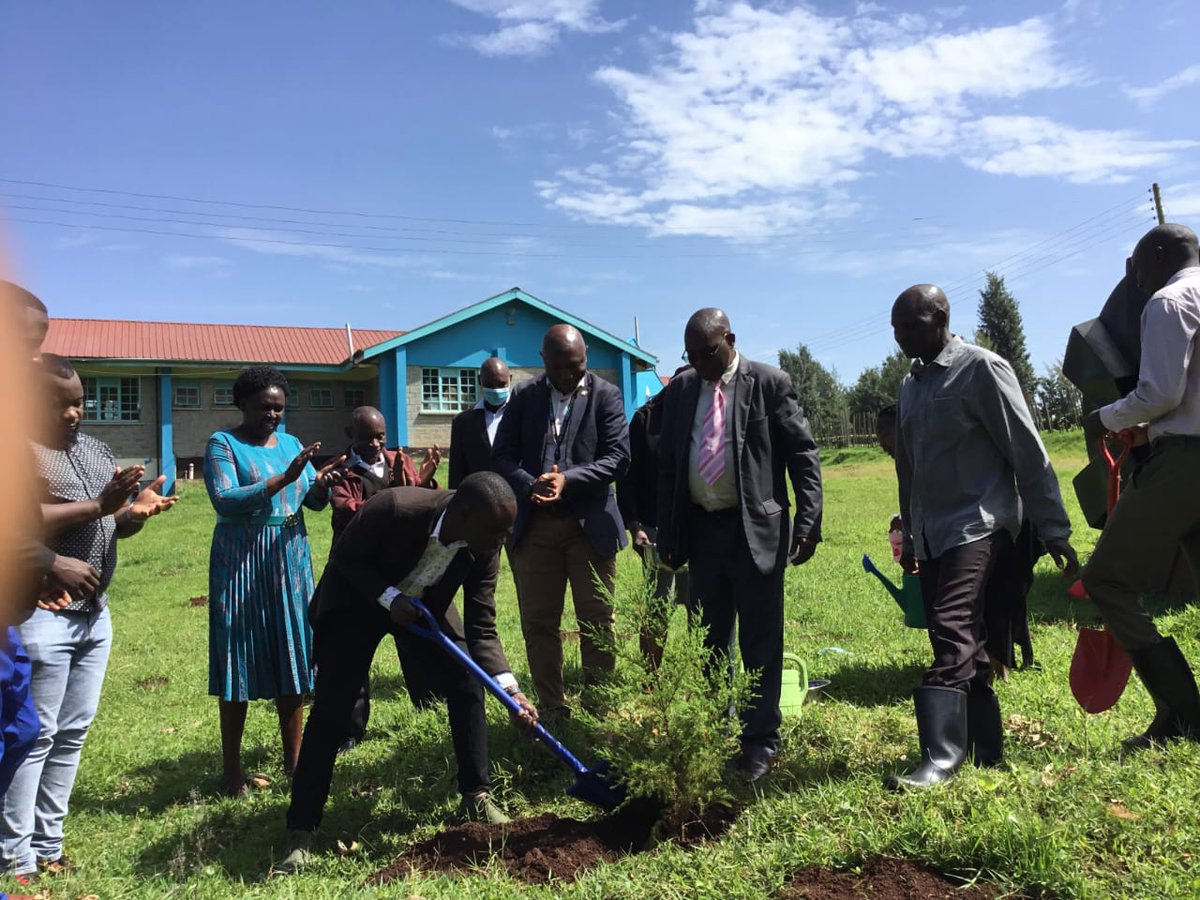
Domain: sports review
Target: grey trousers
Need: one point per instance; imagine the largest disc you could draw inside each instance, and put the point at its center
(1159, 507)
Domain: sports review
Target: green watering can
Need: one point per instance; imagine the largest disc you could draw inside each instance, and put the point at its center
(794, 685)
(908, 597)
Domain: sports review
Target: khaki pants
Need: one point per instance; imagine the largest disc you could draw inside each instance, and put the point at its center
(554, 551)
(1160, 507)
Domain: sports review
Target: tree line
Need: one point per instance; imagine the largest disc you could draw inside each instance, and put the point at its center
(844, 414)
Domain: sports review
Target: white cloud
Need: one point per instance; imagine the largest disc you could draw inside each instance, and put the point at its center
(1026, 145)
(531, 27)
(749, 122)
(278, 244)
(1182, 201)
(1148, 96)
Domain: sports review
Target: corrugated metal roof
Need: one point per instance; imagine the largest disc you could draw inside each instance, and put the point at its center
(197, 342)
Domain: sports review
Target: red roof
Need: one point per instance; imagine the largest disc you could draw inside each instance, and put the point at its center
(196, 342)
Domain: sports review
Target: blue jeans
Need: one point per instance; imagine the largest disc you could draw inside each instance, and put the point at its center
(69, 651)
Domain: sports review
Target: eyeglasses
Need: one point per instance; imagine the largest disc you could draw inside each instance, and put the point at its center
(704, 355)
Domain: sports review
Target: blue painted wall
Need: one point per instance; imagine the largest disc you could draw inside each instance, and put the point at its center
(469, 343)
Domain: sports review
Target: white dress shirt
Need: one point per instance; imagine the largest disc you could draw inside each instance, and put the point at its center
(559, 404)
(491, 419)
(721, 494)
(429, 570)
(1167, 396)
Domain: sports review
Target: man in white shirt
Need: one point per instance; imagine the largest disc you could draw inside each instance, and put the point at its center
(474, 430)
(1160, 504)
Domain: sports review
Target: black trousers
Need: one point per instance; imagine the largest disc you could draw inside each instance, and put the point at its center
(954, 587)
(728, 590)
(421, 689)
(344, 645)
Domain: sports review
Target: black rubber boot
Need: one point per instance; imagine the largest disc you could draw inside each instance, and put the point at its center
(942, 733)
(985, 730)
(1171, 685)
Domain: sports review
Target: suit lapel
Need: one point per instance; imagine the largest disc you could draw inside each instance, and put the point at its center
(481, 432)
(583, 402)
(743, 394)
(687, 415)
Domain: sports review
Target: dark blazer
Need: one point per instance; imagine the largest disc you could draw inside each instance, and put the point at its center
(772, 442)
(470, 447)
(383, 543)
(637, 491)
(595, 454)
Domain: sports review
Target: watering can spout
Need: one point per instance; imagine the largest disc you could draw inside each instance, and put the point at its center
(896, 592)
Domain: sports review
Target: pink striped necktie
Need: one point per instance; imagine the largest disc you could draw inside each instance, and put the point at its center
(710, 461)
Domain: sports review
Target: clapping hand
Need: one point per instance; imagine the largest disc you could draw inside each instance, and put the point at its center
(115, 494)
(150, 502)
(332, 473)
(433, 458)
(296, 467)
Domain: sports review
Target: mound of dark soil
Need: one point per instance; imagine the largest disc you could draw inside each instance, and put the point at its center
(543, 847)
(882, 879)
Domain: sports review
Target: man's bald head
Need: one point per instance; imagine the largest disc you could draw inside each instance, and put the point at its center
(1163, 251)
(493, 373)
(564, 353)
(921, 321)
(367, 432)
(708, 342)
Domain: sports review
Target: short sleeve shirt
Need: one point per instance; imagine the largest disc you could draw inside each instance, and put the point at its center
(80, 472)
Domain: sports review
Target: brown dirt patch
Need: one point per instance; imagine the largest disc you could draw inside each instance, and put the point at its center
(201, 600)
(537, 849)
(532, 850)
(157, 681)
(883, 878)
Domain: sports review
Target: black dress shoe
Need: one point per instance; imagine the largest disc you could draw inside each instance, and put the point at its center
(755, 763)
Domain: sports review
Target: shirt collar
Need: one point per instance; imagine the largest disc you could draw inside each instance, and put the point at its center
(580, 389)
(354, 461)
(731, 369)
(436, 534)
(1183, 273)
(943, 360)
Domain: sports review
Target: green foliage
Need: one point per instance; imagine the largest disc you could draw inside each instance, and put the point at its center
(1059, 404)
(820, 393)
(666, 728)
(1001, 329)
(878, 386)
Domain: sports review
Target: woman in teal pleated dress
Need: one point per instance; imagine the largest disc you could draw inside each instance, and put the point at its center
(260, 573)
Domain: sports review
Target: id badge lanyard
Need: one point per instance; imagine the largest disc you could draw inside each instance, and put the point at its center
(558, 433)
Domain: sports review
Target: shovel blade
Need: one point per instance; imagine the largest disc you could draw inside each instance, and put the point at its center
(1100, 670)
(594, 786)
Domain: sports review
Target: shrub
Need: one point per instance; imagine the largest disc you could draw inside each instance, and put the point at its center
(667, 729)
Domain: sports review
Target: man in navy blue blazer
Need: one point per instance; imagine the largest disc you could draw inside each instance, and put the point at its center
(562, 444)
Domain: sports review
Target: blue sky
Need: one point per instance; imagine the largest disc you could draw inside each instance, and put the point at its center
(796, 164)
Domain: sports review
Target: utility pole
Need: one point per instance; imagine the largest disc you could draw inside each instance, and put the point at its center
(1158, 210)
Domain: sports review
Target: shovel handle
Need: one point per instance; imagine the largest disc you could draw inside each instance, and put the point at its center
(433, 632)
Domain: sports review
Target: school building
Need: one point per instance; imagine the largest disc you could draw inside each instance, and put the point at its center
(155, 391)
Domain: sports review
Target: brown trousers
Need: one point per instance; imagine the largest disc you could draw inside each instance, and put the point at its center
(553, 552)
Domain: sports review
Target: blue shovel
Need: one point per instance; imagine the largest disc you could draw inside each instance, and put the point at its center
(590, 785)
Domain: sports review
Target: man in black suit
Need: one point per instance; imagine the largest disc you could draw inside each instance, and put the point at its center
(563, 442)
(407, 542)
(473, 431)
(732, 435)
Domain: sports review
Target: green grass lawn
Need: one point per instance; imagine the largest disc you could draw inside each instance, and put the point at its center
(1065, 814)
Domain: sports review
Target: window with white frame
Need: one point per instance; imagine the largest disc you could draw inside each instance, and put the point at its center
(187, 395)
(448, 390)
(222, 395)
(112, 399)
(355, 397)
(320, 397)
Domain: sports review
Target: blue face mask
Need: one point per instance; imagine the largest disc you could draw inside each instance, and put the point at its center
(495, 396)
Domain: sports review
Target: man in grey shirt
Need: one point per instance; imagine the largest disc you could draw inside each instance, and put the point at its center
(1161, 504)
(968, 456)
